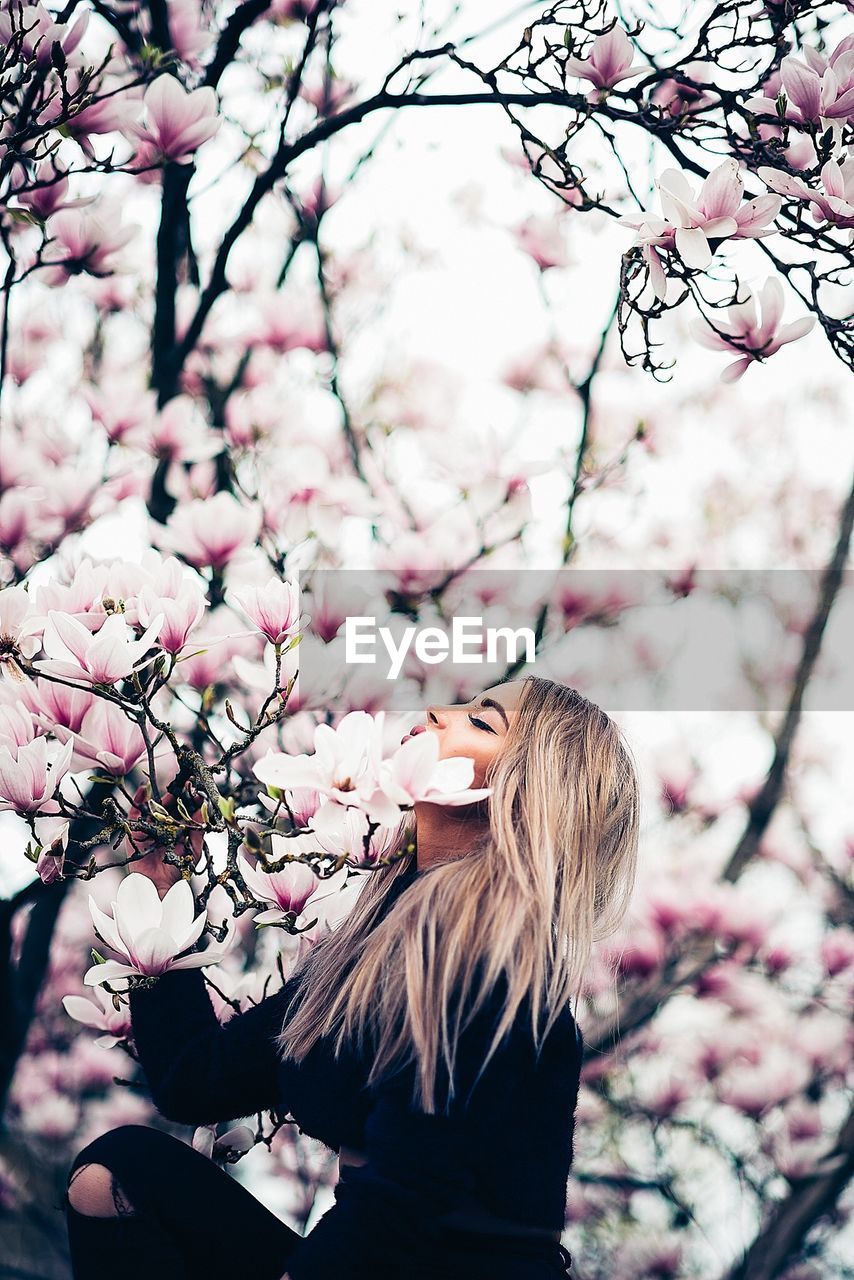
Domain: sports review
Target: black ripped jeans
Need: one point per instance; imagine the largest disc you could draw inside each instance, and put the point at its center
(190, 1219)
(182, 1217)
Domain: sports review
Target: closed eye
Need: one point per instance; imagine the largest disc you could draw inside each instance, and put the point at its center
(481, 724)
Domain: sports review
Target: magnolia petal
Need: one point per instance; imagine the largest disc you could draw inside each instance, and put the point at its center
(200, 959)
(82, 1010)
(693, 247)
(795, 329)
(106, 928)
(178, 909)
(273, 916)
(152, 950)
(720, 194)
(455, 798)
(137, 908)
(191, 935)
(737, 369)
(107, 972)
(784, 183)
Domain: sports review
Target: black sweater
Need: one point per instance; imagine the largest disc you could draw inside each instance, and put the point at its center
(504, 1149)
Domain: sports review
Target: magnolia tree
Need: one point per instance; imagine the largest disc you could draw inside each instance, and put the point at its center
(177, 335)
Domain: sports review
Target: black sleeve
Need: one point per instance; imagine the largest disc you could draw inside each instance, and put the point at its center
(198, 1069)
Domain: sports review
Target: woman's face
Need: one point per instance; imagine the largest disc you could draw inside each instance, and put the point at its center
(477, 728)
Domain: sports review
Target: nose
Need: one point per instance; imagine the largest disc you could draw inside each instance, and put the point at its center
(435, 715)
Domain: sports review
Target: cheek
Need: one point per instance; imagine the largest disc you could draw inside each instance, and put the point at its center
(486, 753)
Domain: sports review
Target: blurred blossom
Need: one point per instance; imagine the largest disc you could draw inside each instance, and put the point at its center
(683, 96)
(84, 241)
(837, 951)
(208, 532)
(542, 239)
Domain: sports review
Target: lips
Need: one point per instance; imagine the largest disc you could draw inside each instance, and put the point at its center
(417, 728)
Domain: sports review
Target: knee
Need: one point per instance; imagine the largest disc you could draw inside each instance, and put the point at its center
(92, 1184)
(92, 1190)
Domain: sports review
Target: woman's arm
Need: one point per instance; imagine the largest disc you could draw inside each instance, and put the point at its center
(198, 1069)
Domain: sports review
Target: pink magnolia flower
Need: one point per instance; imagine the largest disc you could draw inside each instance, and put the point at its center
(177, 121)
(41, 31)
(287, 890)
(683, 96)
(16, 726)
(691, 220)
(27, 781)
(17, 624)
(189, 34)
(834, 205)
(103, 658)
(752, 337)
(825, 89)
(83, 242)
(345, 764)
(209, 531)
(150, 932)
(338, 831)
(57, 705)
(43, 201)
(107, 739)
(273, 608)
(715, 212)
(51, 832)
(817, 93)
(228, 1147)
(181, 614)
(608, 63)
(115, 113)
(415, 773)
(102, 1015)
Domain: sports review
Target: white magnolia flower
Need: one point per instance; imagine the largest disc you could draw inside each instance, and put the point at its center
(101, 1015)
(150, 933)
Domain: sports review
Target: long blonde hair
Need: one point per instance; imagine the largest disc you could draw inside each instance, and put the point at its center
(553, 874)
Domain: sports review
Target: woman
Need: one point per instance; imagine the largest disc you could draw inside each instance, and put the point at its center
(429, 1039)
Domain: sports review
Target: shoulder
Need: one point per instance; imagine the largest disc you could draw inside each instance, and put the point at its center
(522, 1048)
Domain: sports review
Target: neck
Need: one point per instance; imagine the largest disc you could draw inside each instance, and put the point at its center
(443, 832)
